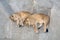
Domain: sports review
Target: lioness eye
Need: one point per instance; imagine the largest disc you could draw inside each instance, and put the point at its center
(12, 16)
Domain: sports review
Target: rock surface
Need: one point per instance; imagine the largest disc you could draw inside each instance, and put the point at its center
(9, 31)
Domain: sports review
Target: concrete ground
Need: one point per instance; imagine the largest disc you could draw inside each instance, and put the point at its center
(9, 31)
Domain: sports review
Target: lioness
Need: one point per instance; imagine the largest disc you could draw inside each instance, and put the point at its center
(37, 18)
(19, 17)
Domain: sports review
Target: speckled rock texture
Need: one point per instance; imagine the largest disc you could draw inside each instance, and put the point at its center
(9, 31)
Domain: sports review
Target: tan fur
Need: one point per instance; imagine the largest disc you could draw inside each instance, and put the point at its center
(19, 17)
(37, 18)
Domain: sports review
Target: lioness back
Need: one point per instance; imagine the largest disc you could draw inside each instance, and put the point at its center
(41, 17)
(23, 14)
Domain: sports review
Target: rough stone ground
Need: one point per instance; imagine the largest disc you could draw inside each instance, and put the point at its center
(10, 31)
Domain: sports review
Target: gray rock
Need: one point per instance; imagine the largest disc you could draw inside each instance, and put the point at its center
(10, 31)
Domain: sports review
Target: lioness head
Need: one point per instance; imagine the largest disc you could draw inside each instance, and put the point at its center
(14, 17)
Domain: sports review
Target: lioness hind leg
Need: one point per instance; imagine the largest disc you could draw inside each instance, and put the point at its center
(46, 22)
(40, 25)
(45, 27)
(35, 29)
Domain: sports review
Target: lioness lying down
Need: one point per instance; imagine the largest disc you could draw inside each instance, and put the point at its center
(19, 17)
(37, 18)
